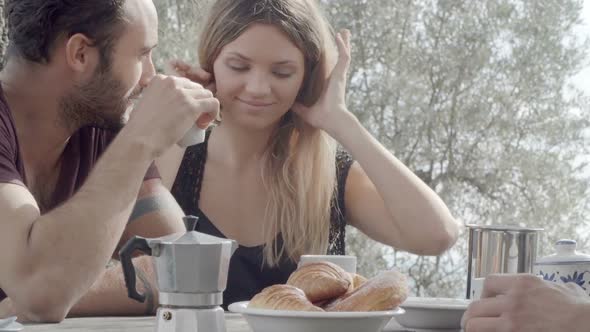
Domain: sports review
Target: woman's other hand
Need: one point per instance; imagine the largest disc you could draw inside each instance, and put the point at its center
(332, 102)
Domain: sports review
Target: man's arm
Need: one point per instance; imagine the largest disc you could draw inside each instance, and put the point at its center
(155, 214)
(108, 295)
(49, 261)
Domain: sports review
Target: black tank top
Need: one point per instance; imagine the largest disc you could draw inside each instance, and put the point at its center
(247, 275)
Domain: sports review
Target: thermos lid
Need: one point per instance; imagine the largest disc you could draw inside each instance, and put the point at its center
(565, 252)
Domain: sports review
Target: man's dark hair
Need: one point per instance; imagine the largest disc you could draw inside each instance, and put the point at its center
(35, 25)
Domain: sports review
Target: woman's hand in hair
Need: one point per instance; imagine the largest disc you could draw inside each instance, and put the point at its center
(195, 74)
(332, 103)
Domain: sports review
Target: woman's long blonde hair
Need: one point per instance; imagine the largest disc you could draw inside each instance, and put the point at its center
(299, 169)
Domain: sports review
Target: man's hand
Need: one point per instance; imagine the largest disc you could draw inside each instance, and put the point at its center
(168, 108)
(525, 303)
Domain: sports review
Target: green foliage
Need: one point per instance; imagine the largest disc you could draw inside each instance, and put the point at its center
(179, 26)
(474, 98)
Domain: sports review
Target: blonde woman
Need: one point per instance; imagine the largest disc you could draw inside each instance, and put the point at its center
(269, 175)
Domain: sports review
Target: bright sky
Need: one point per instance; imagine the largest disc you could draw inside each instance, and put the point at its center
(582, 80)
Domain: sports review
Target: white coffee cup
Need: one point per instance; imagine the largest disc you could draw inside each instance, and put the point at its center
(193, 136)
(346, 262)
(476, 288)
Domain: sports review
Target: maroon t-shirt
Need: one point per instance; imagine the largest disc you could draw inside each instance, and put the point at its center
(80, 155)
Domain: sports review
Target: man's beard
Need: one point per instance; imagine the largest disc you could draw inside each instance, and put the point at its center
(100, 102)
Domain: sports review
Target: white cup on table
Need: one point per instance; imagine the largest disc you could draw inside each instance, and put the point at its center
(346, 262)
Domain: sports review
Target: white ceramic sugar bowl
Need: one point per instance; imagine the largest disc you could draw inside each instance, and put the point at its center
(566, 265)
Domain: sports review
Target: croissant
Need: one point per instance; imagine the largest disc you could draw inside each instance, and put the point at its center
(282, 297)
(357, 281)
(386, 291)
(321, 281)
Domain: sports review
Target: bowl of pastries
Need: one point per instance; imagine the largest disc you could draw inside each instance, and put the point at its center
(321, 297)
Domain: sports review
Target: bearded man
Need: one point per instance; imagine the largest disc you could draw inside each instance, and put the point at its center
(82, 117)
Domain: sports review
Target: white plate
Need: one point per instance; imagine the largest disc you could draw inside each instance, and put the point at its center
(432, 313)
(263, 320)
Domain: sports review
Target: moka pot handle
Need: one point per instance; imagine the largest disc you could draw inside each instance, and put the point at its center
(125, 255)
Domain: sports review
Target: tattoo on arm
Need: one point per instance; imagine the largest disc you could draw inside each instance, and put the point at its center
(151, 204)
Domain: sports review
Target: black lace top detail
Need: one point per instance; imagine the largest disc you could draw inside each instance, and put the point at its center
(247, 274)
